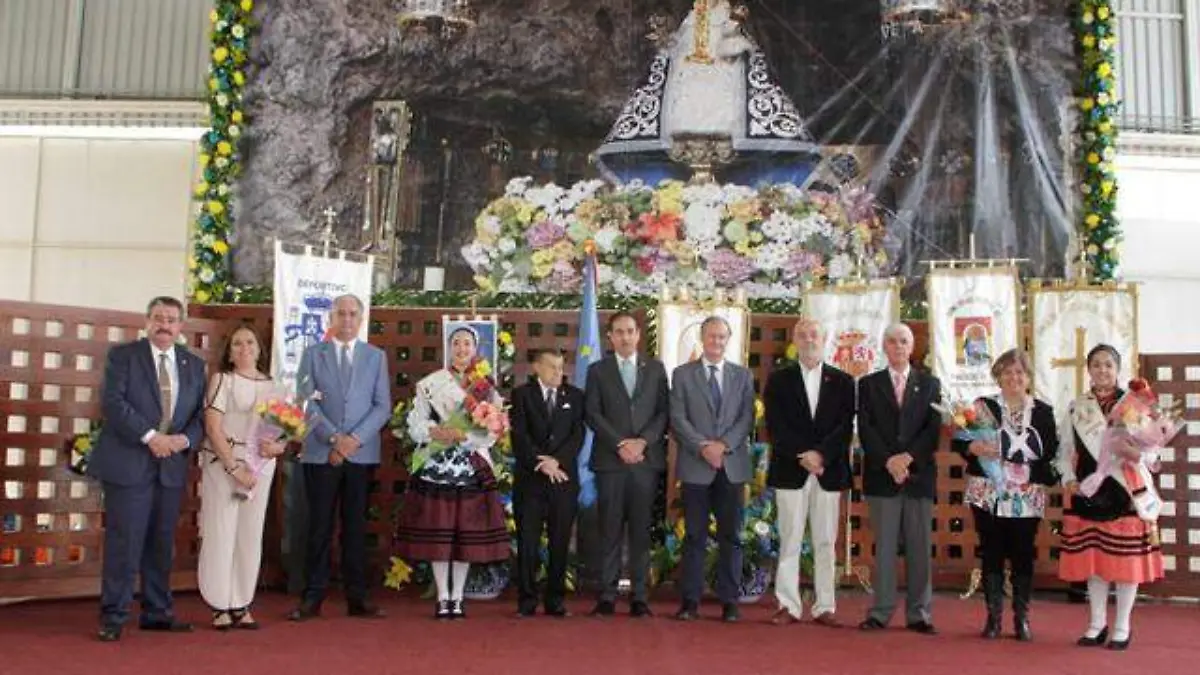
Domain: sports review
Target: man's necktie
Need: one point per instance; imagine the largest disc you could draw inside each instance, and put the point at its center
(628, 376)
(714, 387)
(164, 393)
(346, 365)
(898, 382)
(550, 402)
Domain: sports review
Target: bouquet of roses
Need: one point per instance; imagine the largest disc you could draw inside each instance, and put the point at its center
(279, 419)
(1138, 426)
(473, 414)
(974, 421)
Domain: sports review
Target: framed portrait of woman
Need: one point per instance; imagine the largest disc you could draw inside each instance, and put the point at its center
(486, 332)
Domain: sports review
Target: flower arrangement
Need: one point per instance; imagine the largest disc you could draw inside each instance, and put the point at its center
(81, 446)
(1095, 27)
(220, 159)
(767, 241)
(973, 421)
(1138, 428)
(283, 419)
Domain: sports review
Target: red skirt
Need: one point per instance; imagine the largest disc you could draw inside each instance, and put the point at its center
(445, 522)
(1124, 550)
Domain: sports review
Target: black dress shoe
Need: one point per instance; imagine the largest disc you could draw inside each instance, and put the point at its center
(730, 613)
(603, 608)
(871, 623)
(171, 625)
(363, 610)
(922, 627)
(639, 609)
(304, 612)
(1097, 641)
(526, 611)
(1120, 645)
(442, 610)
(458, 609)
(109, 632)
(557, 611)
(687, 612)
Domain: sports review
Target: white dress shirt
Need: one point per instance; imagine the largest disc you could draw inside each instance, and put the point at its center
(812, 385)
(172, 375)
(343, 345)
(720, 374)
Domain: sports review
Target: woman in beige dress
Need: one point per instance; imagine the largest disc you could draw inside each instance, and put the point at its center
(235, 485)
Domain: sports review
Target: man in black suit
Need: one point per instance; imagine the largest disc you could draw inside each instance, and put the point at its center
(626, 402)
(152, 403)
(899, 430)
(810, 418)
(547, 435)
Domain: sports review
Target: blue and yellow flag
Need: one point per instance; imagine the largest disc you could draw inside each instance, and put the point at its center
(587, 352)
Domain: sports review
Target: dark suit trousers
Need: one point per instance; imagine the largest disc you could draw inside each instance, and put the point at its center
(625, 498)
(326, 485)
(139, 537)
(536, 505)
(724, 501)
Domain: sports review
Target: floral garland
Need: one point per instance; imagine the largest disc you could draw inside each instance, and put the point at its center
(220, 160)
(767, 242)
(1096, 29)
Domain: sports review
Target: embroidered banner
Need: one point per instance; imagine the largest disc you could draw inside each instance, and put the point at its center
(974, 316)
(305, 287)
(1066, 322)
(855, 318)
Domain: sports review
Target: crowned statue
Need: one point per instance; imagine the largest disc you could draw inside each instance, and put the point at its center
(709, 105)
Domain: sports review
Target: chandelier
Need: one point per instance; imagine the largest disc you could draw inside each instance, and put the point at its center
(448, 18)
(903, 18)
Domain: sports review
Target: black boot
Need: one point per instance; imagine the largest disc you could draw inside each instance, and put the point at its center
(1022, 590)
(993, 594)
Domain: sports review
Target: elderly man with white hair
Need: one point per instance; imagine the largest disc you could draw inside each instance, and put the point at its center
(810, 416)
(899, 430)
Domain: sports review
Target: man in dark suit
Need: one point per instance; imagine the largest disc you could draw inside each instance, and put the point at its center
(810, 418)
(346, 383)
(626, 402)
(547, 434)
(712, 413)
(152, 404)
(899, 430)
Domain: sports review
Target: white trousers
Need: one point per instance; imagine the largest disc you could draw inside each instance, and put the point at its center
(797, 509)
(231, 531)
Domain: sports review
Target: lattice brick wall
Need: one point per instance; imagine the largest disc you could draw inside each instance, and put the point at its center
(51, 368)
(1177, 378)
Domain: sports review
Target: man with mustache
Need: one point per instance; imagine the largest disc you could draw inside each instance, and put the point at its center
(152, 405)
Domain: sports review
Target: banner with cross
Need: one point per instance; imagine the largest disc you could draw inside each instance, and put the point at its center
(1066, 322)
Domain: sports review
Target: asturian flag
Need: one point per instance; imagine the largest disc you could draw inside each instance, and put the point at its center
(587, 352)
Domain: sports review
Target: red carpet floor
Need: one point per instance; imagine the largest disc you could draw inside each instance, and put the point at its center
(57, 638)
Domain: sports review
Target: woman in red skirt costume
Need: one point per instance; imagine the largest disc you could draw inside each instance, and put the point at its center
(451, 514)
(1104, 541)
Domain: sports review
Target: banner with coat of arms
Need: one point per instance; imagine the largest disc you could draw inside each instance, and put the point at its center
(305, 288)
(854, 319)
(1067, 321)
(974, 316)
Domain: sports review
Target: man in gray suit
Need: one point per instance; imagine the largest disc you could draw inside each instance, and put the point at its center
(712, 412)
(346, 383)
(626, 407)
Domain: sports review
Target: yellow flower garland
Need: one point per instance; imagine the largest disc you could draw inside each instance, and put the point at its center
(220, 160)
(1095, 27)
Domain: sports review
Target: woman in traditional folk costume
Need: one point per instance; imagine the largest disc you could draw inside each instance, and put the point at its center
(451, 514)
(1008, 499)
(1104, 539)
